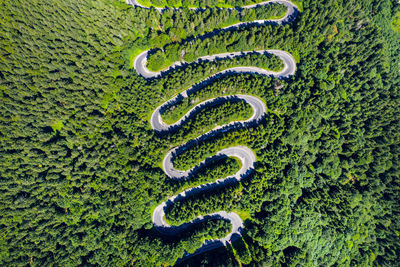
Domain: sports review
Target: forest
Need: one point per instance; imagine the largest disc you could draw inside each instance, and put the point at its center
(81, 166)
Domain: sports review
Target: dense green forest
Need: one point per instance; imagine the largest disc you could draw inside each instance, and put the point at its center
(81, 166)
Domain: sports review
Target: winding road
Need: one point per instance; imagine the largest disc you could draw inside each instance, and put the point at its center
(288, 60)
(244, 154)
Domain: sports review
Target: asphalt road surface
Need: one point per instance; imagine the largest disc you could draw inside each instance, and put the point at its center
(244, 154)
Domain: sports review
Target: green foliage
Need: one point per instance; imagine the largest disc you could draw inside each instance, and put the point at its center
(396, 22)
(167, 29)
(80, 164)
(242, 251)
(57, 126)
(221, 169)
(157, 61)
(218, 115)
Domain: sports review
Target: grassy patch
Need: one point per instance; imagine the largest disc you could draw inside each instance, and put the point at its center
(298, 4)
(244, 215)
(147, 3)
(132, 53)
(396, 22)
